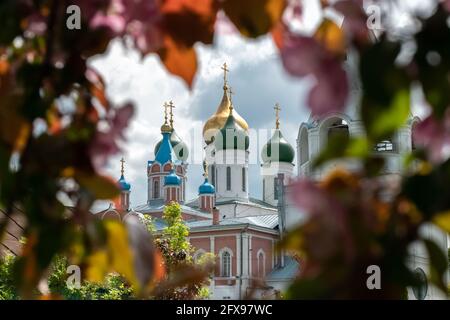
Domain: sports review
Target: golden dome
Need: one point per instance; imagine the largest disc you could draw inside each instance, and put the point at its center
(217, 120)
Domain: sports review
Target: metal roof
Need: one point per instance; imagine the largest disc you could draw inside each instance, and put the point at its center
(289, 271)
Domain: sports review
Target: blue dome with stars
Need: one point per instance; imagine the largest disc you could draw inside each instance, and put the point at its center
(123, 185)
(206, 188)
(172, 179)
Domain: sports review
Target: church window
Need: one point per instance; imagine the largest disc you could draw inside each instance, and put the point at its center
(420, 291)
(384, 146)
(226, 264)
(275, 188)
(155, 189)
(339, 130)
(243, 180)
(198, 255)
(228, 178)
(264, 190)
(304, 147)
(261, 259)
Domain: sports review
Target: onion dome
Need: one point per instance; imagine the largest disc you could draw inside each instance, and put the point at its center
(172, 179)
(206, 188)
(217, 120)
(165, 152)
(123, 185)
(231, 136)
(179, 146)
(277, 149)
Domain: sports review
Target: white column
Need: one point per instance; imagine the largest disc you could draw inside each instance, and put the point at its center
(238, 255)
(245, 255)
(211, 244)
(250, 255)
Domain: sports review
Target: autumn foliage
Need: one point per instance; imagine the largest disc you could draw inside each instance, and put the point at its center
(58, 129)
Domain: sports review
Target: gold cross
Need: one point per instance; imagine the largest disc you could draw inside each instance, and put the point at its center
(231, 92)
(225, 70)
(166, 106)
(122, 166)
(205, 169)
(277, 115)
(171, 107)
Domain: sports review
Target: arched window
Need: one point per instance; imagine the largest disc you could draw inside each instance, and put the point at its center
(156, 189)
(244, 188)
(338, 129)
(413, 135)
(198, 255)
(264, 189)
(275, 188)
(261, 259)
(384, 146)
(225, 264)
(228, 178)
(304, 147)
(335, 129)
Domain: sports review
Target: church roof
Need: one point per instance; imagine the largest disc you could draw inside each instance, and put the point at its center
(278, 149)
(165, 152)
(217, 120)
(264, 221)
(179, 146)
(158, 206)
(206, 188)
(288, 272)
(123, 184)
(172, 179)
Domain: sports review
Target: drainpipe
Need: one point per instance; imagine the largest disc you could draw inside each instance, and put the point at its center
(282, 212)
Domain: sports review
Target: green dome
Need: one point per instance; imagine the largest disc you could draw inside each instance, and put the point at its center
(180, 148)
(231, 136)
(278, 142)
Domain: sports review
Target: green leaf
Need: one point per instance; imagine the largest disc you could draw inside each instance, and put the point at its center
(340, 146)
(382, 121)
(432, 41)
(429, 192)
(386, 100)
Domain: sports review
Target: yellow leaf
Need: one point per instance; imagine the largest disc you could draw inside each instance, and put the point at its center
(443, 221)
(331, 37)
(97, 266)
(120, 252)
(101, 187)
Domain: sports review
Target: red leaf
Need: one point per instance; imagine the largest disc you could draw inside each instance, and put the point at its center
(179, 60)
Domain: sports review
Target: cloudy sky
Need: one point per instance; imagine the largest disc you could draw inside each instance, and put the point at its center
(256, 76)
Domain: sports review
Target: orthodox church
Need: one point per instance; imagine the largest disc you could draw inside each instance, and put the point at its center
(239, 230)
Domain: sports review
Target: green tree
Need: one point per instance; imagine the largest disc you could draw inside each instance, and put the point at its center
(177, 254)
(114, 287)
(8, 290)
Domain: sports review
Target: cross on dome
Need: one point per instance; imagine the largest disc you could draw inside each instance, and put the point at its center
(171, 106)
(277, 115)
(231, 92)
(122, 164)
(225, 70)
